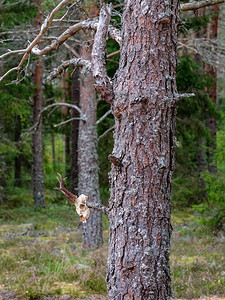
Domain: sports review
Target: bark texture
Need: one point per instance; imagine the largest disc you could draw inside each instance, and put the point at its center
(143, 156)
(74, 132)
(88, 179)
(88, 157)
(37, 140)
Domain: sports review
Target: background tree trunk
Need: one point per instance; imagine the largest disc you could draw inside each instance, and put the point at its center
(17, 161)
(37, 140)
(88, 179)
(65, 111)
(74, 132)
(143, 156)
(88, 158)
(213, 92)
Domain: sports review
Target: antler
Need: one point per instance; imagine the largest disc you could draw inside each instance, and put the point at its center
(71, 197)
(80, 202)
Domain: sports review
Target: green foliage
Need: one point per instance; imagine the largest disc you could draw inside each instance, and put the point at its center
(213, 211)
(105, 146)
(15, 13)
(196, 23)
(191, 130)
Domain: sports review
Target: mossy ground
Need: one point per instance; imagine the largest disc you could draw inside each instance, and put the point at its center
(41, 255)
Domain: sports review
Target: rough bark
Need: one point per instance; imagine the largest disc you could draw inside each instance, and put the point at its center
(144, 107)
(74, 132)
(37, 140)
(88, 157)
(18, 158)
(65, 111)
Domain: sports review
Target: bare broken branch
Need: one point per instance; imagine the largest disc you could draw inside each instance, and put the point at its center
(198, 4)
(35, 126)
(75, 62)
(103, 82)
(44, 28)
(104, 133)
(67, 121)
(71, 50)
(104, 116)
(184, 95)
(112, 54)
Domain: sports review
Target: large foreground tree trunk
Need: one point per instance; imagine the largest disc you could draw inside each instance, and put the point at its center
(144, 106)
(88, 158)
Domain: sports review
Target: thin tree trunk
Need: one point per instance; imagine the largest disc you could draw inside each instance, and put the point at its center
(37, 139)
(17, 161)
(74, 132)
(67, 153)
(53, 151)
(88, 158)
(213, 92)
(88, 178)
(64, 110)
(143, 156)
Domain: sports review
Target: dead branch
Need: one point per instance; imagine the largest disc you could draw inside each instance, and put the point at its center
(103, 83)
(103, 117)
(198, 4)
(75, 62)
(104, 133)
(71, 50)
(44, 28)
(185, 95)
(35, 126)
(67, 121)
(193, 5)
(112, 54)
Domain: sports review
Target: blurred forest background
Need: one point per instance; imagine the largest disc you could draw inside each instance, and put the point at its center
(41, 252)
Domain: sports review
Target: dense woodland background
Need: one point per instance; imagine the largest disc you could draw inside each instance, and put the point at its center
(198, 194)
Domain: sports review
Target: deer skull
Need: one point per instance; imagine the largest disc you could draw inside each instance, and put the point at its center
(81, 208)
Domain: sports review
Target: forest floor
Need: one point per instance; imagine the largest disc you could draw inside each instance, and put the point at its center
(42, 258)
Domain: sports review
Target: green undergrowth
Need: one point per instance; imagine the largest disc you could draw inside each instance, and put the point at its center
(41, 255)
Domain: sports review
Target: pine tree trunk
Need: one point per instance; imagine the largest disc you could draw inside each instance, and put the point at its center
(37, 139)
(143, 156)
(213, 92)
(74, 132)
(67, 153)
(53, 151)
(65, 111)
(17, 161)
(88, 158)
